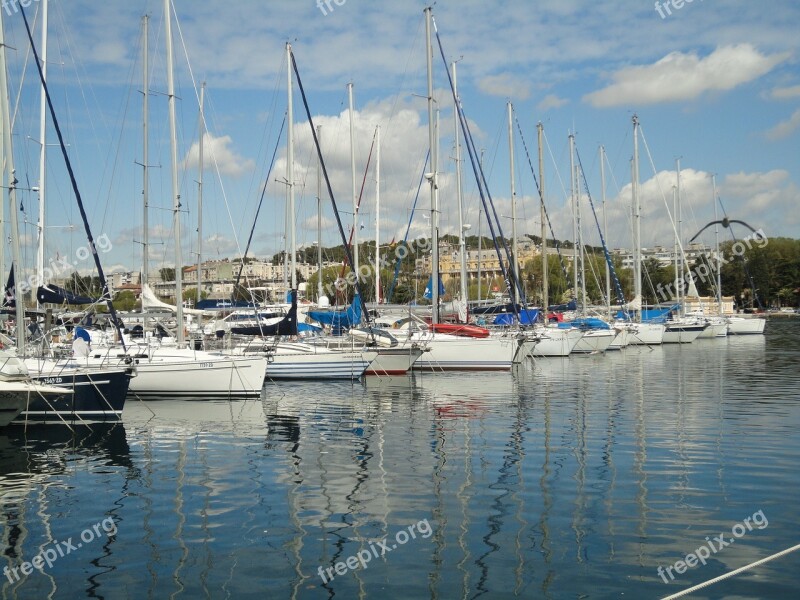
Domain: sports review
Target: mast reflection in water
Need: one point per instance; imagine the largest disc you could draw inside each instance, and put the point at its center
(569, 477)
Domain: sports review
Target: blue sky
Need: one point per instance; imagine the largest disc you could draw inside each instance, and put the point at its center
(715, 83)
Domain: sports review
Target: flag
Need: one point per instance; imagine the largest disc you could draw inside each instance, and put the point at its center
(429, 288)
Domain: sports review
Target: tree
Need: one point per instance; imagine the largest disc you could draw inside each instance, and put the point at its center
(167, 274)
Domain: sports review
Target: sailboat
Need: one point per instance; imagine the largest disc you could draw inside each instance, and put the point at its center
(168, 370)
(641, 333)
(82, 394)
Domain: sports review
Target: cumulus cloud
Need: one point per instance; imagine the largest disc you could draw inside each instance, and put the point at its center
(785, 93)
(551, 101)
(784, 128)
(505, 85)
(217, 151)
(679, 76)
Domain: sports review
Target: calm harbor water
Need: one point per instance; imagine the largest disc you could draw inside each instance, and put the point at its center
(573, 478)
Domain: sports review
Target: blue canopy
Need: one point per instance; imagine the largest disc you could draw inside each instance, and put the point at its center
(339, 319)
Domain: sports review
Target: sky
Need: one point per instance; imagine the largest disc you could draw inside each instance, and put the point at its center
(715, 85)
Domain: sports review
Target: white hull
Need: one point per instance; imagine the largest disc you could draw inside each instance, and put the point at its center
(595, 340)
(645, 334)
(306, 361)
(746, 326)
(683, 332)
(454, 353)
(556, 342)
(171, 372)
(393, 361)
(714, 330)
(622, 338)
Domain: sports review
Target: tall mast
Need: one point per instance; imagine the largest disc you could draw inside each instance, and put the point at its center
(200, 195)
(353, 176)
(480, 238)
(514, 254)
(581, 249)
(462, 243)
(543, 218)
(676, 262)
(13, 207)
(176, 198)
(290, 164)
(637, 225)
(319, 218)
(678, 234)
(605, 224)
(574, 191)
(145, 157)
(377, 214)
(42, 155)
(716, 245)
(433, 143)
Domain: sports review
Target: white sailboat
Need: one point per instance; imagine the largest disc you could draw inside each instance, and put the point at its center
(641, 333)
(446, 351)
(174, 370)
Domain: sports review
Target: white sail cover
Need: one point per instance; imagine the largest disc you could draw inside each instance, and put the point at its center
(635, 304)
(149, 300)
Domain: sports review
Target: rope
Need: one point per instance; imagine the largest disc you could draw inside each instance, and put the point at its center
(732, 573)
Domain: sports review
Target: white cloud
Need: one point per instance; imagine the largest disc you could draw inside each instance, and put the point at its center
(784, 128)
(680, 76)
(551, 101)
(785, 93)
(217, 152)
(505, 85)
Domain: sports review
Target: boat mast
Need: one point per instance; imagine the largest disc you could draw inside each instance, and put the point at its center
(678, 234)
(290, 163)
(514, 254)
(145, 173)
(637, 231)
(433, 177)
(605, 224)
(176, 198)
(675, 245)
(377, 214)
(716, 244)
(319, 219)
(353, 176)
(200, 194)
(16, 255)
(480, 238)
(543, 218)
(574, 215)
(462, 243)
(42, 156)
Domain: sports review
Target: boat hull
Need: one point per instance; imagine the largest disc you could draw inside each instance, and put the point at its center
(595, 340)
(554, 342)
(646, 334)
(211, 377)
(98, 395)
(453, 353)
(393, 361)
(682, 334)
(745, 326)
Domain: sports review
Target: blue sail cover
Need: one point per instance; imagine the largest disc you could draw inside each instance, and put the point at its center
(527, 316)
(587, 323)
(52, 294)
(339, 319)
(652, 315)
